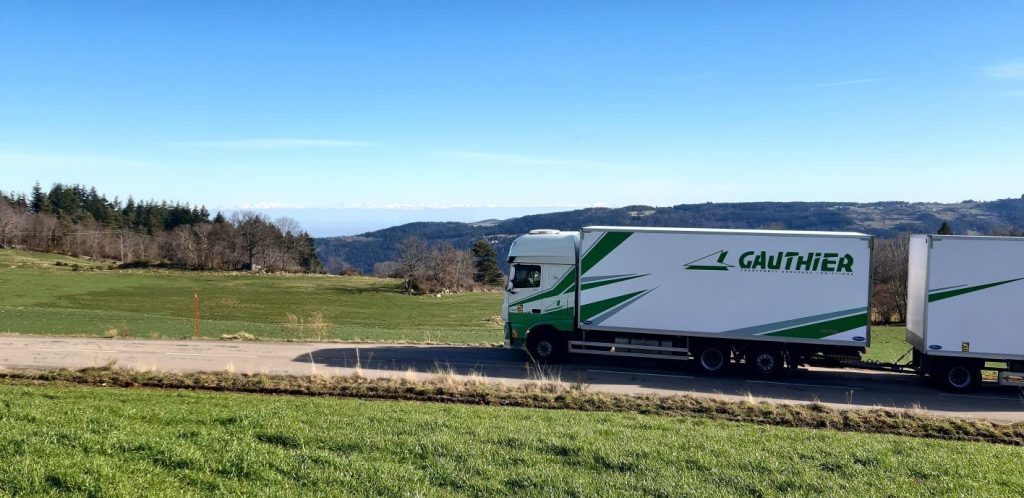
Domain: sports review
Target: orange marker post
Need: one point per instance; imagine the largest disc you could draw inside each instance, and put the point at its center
(195, 302)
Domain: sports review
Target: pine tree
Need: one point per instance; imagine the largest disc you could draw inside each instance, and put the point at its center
(306, 254)
(487, 270)
(945, 229)
(38, 203)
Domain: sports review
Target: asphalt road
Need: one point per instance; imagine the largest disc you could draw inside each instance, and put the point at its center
(838, 388)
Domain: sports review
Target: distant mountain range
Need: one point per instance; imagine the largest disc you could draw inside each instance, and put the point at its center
(883, 219)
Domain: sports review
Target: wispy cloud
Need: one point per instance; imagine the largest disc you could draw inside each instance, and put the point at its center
(20, 159)
(276, 143)
(860, 81)
(517, 159)
(1006, 70)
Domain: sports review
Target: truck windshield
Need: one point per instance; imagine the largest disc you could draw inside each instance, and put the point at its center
(526, 277)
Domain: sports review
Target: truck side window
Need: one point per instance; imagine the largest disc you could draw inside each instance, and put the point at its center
(526, 277)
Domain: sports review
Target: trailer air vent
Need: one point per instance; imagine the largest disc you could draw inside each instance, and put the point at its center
(544, 231)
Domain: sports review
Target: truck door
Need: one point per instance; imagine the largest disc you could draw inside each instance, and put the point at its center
(541, 295)
(525, 288)
(560, 279)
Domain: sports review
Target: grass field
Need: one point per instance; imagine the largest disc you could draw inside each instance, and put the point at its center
(888, 344)
(102, 441)
(41, 298)
(38, 297)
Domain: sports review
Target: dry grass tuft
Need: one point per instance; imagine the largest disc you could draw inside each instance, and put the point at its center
(241, 336)
(118, 332)
(315, 327)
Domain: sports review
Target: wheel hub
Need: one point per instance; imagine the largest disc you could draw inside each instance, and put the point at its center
(959, 377)
(712, 359)
(765, 362)
(545, 348)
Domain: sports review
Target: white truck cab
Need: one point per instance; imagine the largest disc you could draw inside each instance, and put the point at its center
(541, 284)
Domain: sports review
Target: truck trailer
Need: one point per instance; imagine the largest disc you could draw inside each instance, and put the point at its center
(766, 299)
(965, 309)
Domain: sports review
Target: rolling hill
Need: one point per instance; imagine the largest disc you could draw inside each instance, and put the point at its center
(883, 219)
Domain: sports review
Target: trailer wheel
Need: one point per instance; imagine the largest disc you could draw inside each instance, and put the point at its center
(958, 377)
(712, 359)
(765, 362)
(546, 346)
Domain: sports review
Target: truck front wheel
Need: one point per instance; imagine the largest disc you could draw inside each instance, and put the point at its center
(958, 377)
(546, 346)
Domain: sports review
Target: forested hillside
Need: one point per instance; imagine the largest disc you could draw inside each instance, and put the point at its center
(884, 219)
(78, 221)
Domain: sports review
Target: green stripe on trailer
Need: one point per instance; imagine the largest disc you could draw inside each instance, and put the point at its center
(939, 296)
(602, 248)
(590, 310)
(823, 329)
(602, 283)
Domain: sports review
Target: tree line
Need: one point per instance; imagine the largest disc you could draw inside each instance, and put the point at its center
(78, 221)
(441, 268)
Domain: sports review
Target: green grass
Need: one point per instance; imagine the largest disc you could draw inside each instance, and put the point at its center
(101, 441)
(37, 297)
(888, 344)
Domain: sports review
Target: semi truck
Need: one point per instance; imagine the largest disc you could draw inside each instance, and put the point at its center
(766, 300)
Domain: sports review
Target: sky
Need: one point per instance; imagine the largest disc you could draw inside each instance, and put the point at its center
(351, 116)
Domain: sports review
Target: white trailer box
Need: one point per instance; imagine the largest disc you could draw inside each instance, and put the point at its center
(966, 297)
(751, 285)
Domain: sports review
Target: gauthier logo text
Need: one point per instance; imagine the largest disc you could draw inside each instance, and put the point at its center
(780, 261)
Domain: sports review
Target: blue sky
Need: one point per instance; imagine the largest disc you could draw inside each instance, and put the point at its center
(356, 115)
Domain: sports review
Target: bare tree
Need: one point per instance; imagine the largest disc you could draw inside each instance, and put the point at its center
(251, 234)
(8, 221)
(451, 269)
(183, 247)
(431, 269)
(224, 253)
(890, 278)
(463, 270)
(288, 226)
(386, 269)
(413, 261)
(290, 230)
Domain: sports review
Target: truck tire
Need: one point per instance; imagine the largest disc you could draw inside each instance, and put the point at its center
(958, 376)
(712, 359)
(546, 346)
(765, 362)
